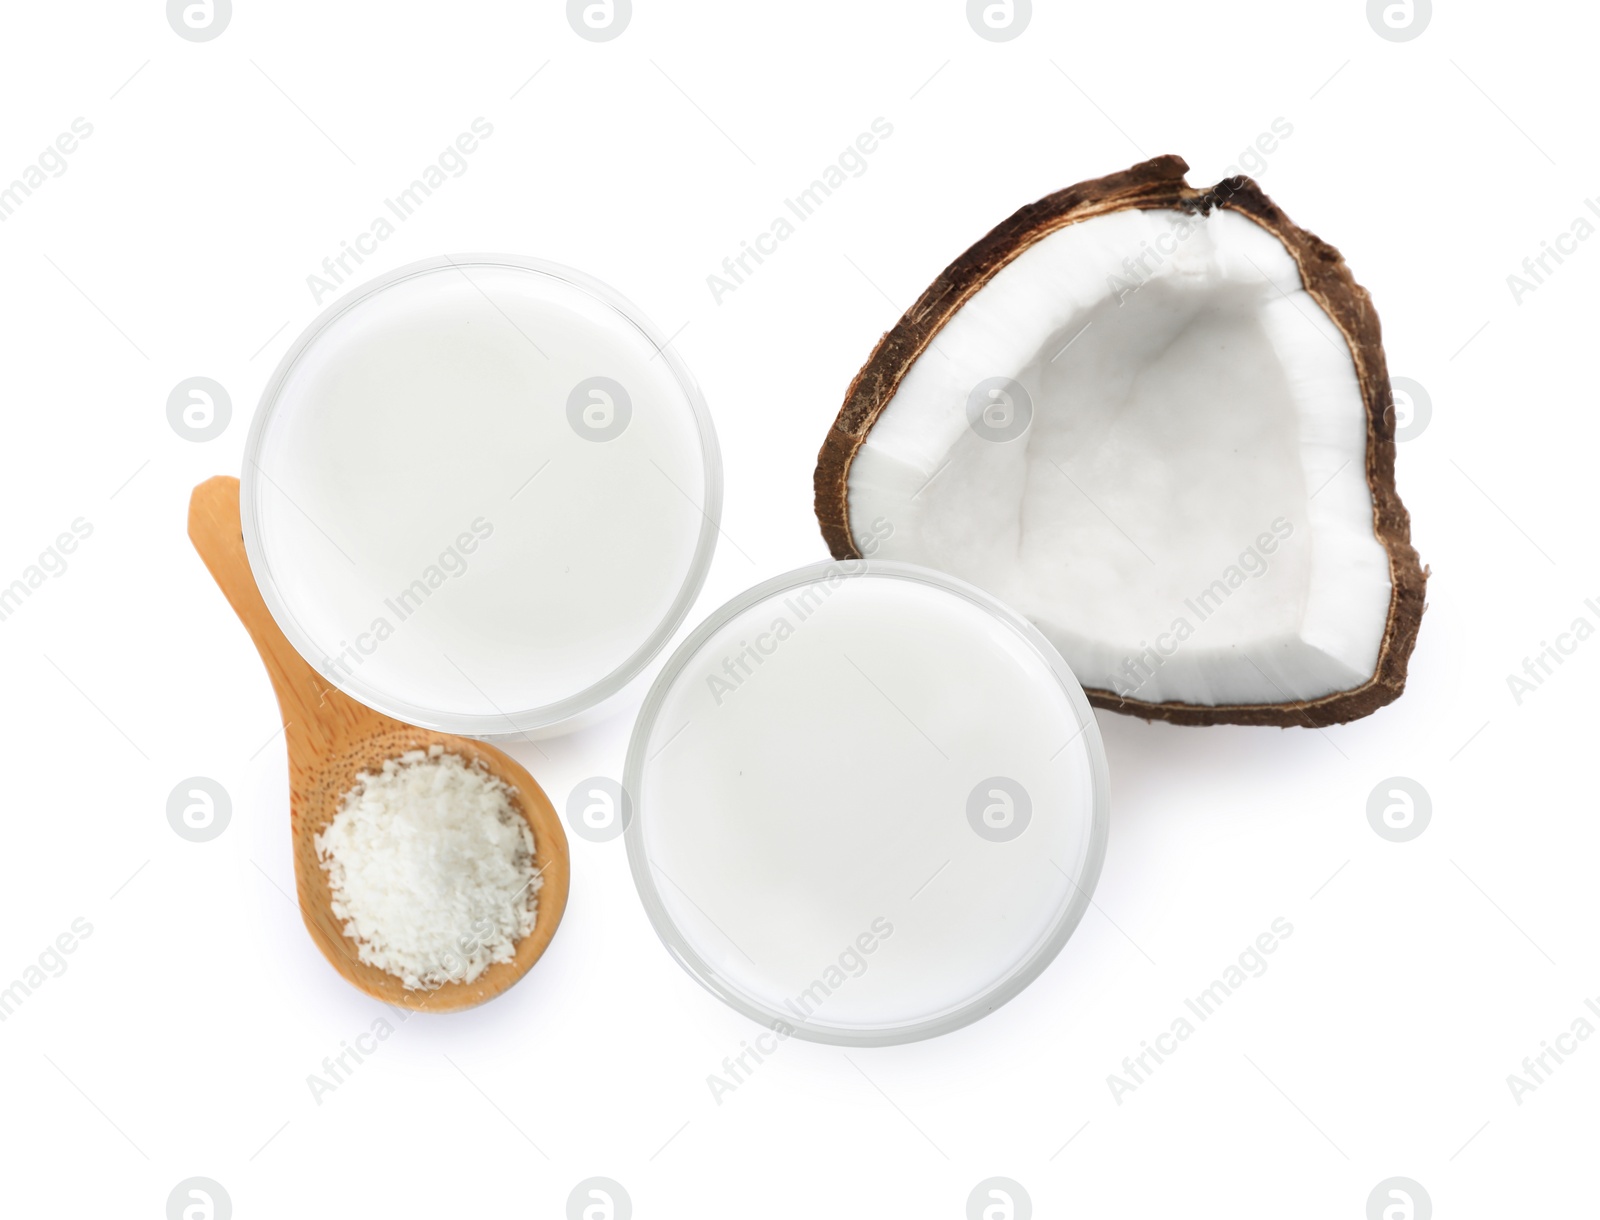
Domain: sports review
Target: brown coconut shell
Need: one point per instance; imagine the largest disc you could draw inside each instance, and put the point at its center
(1159, 183)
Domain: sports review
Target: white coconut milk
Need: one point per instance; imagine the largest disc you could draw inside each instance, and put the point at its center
(866, 802)
(481, 496)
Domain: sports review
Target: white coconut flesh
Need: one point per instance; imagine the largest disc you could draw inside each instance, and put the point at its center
(1186, 514)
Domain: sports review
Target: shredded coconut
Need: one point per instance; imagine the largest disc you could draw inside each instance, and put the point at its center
(432, 868)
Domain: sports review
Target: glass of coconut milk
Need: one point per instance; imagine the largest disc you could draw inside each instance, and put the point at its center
(868, 803)
(480, 494)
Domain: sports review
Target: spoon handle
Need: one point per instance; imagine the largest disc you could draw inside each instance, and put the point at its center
(312, 708)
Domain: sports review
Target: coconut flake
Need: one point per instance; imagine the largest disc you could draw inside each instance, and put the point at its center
(431, 868)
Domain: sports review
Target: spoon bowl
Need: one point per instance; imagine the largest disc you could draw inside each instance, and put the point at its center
(331, 741)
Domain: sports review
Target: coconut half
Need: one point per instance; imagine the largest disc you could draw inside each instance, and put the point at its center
(1158, 422)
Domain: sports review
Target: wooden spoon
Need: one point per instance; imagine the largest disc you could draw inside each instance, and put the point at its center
(332, 739)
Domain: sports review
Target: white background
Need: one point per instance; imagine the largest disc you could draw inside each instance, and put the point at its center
(178, 242)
